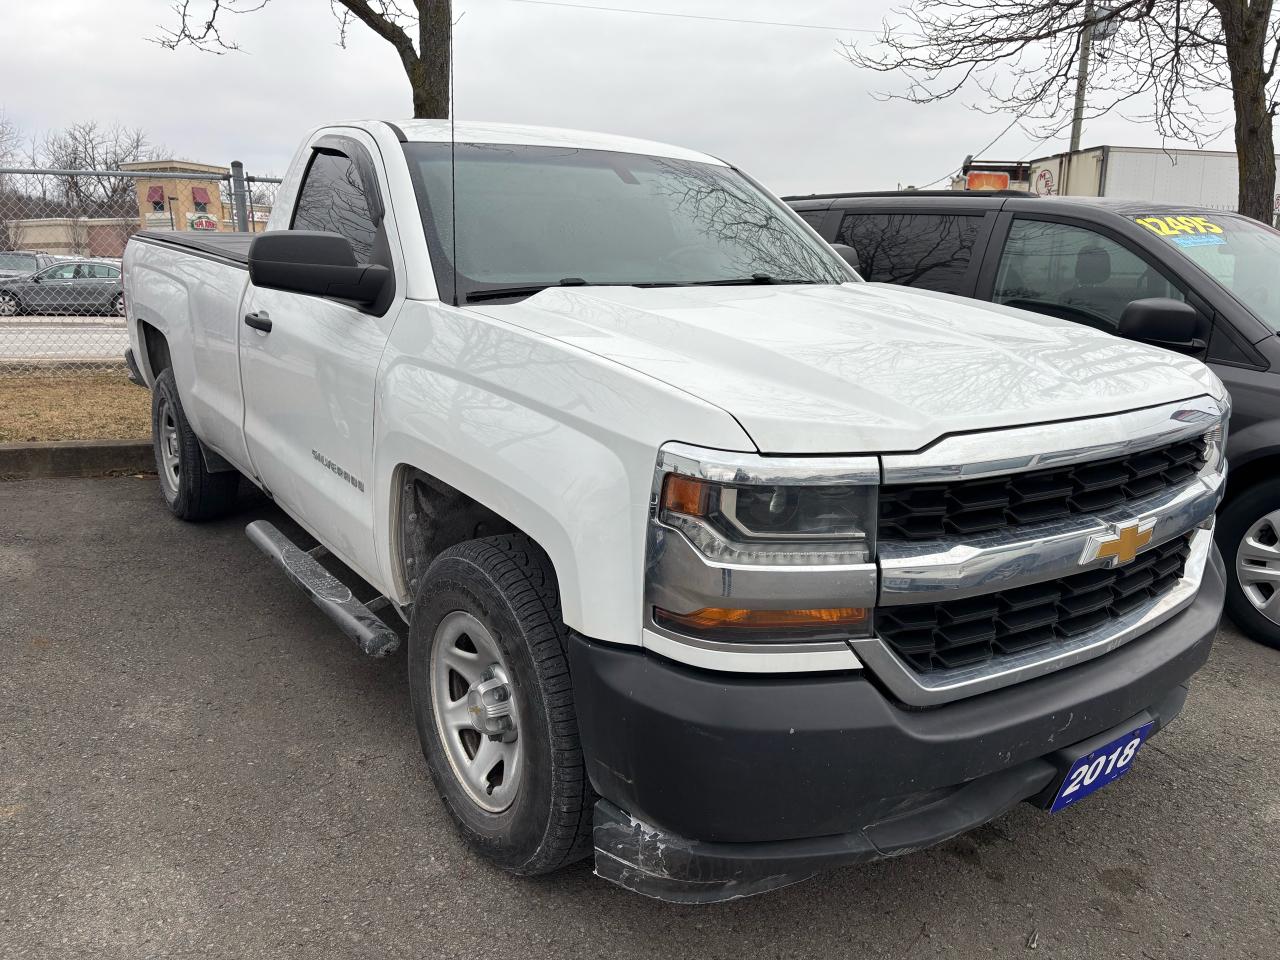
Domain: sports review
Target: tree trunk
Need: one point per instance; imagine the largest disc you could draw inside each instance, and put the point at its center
(429, 73)
(1245, 33)
(1255, 154)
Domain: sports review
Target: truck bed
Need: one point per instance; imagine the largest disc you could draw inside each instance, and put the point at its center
(232, 247)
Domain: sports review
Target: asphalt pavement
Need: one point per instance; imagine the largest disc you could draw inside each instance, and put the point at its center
(195, 763)
(62, 338)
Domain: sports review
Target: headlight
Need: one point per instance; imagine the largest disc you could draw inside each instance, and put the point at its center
(788, 544)
(771, 523)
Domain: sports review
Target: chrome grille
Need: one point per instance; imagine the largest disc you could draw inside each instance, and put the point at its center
(957, 633)
(929, 511)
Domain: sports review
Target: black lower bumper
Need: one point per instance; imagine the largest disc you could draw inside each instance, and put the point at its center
(716, 786)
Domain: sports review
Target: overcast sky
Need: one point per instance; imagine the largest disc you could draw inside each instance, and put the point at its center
(778, 101)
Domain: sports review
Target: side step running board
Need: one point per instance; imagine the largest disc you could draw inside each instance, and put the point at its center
(326, 591)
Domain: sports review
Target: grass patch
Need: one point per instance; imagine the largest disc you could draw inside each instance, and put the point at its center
(73, 407)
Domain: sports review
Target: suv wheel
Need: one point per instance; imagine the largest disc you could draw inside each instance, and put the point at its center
(191, 491)
(1249, 538)
(489, 683)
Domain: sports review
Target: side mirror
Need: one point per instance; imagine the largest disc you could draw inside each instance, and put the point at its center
(316, 263)
(1162, 322)
(847, 252)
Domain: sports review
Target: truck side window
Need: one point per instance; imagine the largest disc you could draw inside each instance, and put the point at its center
(332, 199)
(1074, 273)
(926, 250)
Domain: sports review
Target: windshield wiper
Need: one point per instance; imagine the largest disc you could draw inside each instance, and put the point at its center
(501, 293)
(755, 278)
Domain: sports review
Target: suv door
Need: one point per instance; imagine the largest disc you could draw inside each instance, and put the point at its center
(309, 382)
(1074, 271)
(936, 250)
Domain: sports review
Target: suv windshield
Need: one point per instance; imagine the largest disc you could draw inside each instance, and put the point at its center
(1241, 254)
(532, 217)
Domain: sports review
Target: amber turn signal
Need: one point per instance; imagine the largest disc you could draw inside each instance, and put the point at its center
(721, 618)
(686, 495)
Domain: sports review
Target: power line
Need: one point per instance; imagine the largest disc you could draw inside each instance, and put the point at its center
(975, 153)
(695, 16)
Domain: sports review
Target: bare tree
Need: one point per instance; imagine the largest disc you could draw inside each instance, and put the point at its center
(1164, 58)
(417, 29)
(92, 146)
(10, 140)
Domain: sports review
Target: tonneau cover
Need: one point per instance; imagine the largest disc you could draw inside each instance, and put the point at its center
(225, 246)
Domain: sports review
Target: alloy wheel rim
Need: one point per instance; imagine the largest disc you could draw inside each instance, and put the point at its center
(476, 712)
(119, 306)
(1258, 565)
(169, 448)
(8, 306)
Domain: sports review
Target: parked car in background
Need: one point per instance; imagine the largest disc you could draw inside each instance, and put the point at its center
(717, 563)
(1198, 281)
(68, 286)
(21, 263)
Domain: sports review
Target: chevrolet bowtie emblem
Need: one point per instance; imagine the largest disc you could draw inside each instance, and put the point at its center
(1120, 544)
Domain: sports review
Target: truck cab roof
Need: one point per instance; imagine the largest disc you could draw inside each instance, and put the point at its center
(481, 131)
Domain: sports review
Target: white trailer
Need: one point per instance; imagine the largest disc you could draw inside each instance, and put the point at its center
(1206, 178)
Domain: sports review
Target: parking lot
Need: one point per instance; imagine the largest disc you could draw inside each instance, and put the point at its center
(193, 762)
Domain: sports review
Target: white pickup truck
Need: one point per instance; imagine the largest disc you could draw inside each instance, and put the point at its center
(714, 559)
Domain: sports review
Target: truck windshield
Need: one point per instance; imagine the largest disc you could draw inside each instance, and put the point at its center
(530, 217)
(1241, 254)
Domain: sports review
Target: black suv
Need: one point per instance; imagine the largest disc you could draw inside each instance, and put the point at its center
(1199, 281)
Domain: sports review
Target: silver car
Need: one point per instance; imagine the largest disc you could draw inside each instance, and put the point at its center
(70, 286)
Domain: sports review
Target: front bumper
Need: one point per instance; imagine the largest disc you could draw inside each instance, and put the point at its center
(716, 786)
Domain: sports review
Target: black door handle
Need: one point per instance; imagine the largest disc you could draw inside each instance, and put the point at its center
(259, 321)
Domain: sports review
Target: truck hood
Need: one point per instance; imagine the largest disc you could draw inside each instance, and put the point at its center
(863, 367)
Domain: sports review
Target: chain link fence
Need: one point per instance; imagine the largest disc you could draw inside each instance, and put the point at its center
(62, 234)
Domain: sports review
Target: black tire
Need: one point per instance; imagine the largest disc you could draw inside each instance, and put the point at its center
(1235, 520)
(508, 585)
(191, 491)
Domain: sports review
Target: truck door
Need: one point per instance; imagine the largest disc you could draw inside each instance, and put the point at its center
(309, 379)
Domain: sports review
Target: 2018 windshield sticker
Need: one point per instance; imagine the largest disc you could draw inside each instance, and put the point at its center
(1179, 226)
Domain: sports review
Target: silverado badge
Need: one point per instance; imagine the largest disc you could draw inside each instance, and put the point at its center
(1120, 544)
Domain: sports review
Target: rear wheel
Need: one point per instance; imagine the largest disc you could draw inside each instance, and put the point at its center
(190, 490)
(117, 305)
(1249, 538)
(489, 682)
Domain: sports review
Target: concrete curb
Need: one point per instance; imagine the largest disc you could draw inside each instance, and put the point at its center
(75, 458)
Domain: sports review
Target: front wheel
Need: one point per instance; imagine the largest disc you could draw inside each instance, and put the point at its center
(190, 490)
(489, 683)
(9, 305)
(1249, 538)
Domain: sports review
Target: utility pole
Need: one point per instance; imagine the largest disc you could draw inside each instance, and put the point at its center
(1082, 82)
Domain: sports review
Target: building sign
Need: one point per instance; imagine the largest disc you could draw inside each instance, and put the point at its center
(201, 221)
(1044, 183)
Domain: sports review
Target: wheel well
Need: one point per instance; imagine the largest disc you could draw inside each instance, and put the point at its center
(158, 359)
(1262, 468)
(433, 516)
